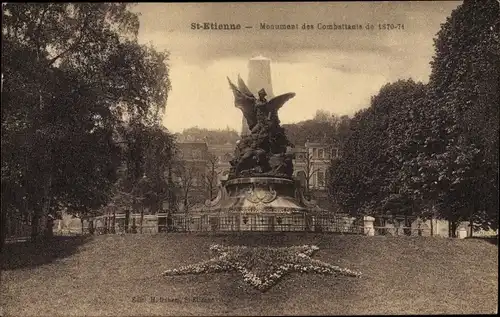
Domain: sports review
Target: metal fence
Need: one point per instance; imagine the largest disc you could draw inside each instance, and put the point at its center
(227, 224)
(296, 222)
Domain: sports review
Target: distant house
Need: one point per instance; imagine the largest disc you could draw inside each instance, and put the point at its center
(311, 168)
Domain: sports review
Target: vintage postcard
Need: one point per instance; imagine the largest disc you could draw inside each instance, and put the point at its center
(255, 158)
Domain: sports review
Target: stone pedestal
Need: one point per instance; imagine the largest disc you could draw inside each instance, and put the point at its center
(250, 195)
(260, 204)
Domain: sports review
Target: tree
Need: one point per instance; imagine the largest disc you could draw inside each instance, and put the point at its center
(322, 116)
(465, 87)
(145, 181)
(366, 178)
(188, 178)
(70, 72)
(160, 153)
(343, 130)
(211, 176)
(353, 180)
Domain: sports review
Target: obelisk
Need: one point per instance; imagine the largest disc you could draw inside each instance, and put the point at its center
(259, 76)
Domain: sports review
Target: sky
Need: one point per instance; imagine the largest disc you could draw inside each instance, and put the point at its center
(333, 70)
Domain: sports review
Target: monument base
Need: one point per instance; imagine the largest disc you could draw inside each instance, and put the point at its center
(257, 204)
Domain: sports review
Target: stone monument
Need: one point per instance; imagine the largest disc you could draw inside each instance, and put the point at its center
(261, 178)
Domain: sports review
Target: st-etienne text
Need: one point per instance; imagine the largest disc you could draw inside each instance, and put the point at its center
(304, 26)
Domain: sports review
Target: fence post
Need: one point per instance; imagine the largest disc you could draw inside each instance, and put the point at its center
(369, 230)
(462, 233)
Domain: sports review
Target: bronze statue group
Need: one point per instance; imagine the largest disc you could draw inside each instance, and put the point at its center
(266, 150)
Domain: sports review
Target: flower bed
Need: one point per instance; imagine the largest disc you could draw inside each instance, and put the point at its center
(264, 266)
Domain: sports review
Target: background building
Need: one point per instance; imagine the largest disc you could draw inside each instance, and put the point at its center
(190, 173)
(222, 153)
(311, 168)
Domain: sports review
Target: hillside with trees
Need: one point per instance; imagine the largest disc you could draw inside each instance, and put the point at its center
(211, 136)
(324, 127)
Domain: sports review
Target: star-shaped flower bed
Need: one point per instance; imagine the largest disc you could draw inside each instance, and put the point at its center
(262, 267)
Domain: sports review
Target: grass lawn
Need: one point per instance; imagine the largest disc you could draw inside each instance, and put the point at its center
(120, 276)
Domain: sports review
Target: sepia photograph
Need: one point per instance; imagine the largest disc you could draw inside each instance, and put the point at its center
(250, 159)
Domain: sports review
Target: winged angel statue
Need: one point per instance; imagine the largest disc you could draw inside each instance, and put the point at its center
(264, 150)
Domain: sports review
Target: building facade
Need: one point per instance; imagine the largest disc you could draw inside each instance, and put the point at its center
(311, 164)
(223, 154)
(190, 173)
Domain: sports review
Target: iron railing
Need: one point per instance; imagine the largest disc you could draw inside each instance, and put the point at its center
(225, 223)
(296, 222)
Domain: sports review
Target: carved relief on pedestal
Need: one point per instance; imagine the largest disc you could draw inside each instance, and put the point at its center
(259, 195)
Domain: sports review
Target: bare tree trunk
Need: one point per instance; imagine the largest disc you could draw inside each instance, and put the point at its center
(3, 227)
(471, 224)
(106, 223)
(127, 220)
(113, 230)
(35, 221)
(432, 226)
(142, 218)
(38, 211)
(39, 221)
(49, 230)
(91, 226)
(134, 225)
(185, 204)
(407, 224)
(454, 229)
